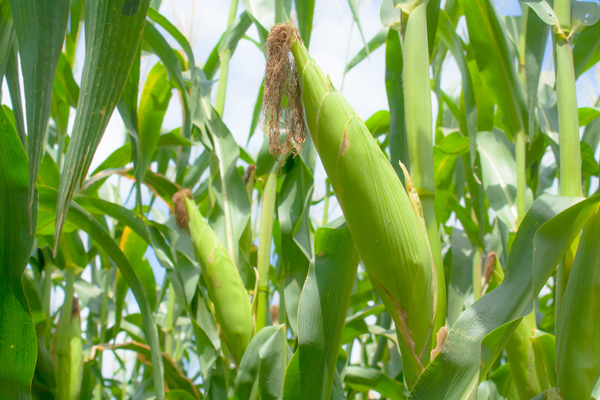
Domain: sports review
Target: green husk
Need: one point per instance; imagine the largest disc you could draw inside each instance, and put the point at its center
(225, 286)
(388, 234)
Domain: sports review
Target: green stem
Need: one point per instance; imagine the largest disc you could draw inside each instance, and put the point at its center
(417, 95)
(47, 292)
(521, 150)
(562, 9)
(569, 144)
(326, 202)
(225, 57)
(264, 247)
(568, 120)
(170, 321)
(63, 367)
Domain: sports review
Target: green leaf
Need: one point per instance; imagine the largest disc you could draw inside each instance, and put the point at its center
(235, 32)
(453, 42)
(395, 93)
(262, 13)
(274, 356)
(232, 211)
(545, 13)
(296, 250)
(549, 227)
(583, 14)
(256, 113)
(174, 378)
(587, 115)
(586, 51)
(536, 36)
(246, 380)
(379, 123)
(550, 394)
(578, 320)
(159, 46)
(14, 87)
(153, 106)
(109, 26)
(460, 282)
(445, 154)
(133, 247)
(495, 65)
(390, 16)
(179, 394)
(499, 175)
(84, 221)
(18, 346)
(321, 314)
(40, 29)
(155, 16)
(363, 379)
(373, 45)
(6, 34)
(544, 347)
(355, 14)
(305, 10)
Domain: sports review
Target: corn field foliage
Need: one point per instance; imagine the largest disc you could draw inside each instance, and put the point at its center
(466, 264)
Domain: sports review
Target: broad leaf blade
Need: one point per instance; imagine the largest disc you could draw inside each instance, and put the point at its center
(578, 321)
(321, 315)
(18, 346)
(84, 221)
(494, 62)
(460, 356)
(109, 25)
(40, 29)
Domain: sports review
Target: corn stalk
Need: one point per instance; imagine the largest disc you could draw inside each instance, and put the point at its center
(417, 95)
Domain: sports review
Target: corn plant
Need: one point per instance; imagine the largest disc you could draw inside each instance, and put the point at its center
(443, 249)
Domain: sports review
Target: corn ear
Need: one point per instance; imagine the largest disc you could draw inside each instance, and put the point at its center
(385, 228)
(224, 283)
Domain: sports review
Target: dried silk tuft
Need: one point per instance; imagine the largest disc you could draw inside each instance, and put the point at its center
(181, 215)
(282, 104)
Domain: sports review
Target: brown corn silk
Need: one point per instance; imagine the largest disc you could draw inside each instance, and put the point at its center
(388, 234)
(282, 105)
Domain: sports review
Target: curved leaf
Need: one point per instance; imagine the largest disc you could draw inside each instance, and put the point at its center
(110, 25)
(84, 221)
(578, 320)
(274, 356)
(246, 380)
(40, 29)
(322, 310)
(18, 345)
(461, 355)
(363, 379)
(495, 65)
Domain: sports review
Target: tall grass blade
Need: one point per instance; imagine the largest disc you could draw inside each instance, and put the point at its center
(322, 311)
(461, 355)
(118, 24)
(40, 28)
(578, 321)
(18, 345)
(84, 221)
